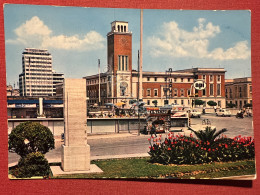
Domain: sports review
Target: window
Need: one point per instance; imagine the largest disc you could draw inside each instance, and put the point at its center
(211, 78)
(219, 104)
(218, 89)
(175, 101)
(211, 89)
(148, 92)
(175, 92)
(148, 102)
(155, 78)
(148, 78)
(155, 92)
(219, 78)
(182, 92)
(204, 77)
(204, 92)
(175, 80)
(164, 91)
(188, 79)
(165, 79)
(122, 62)
(182, 80)
(230, 93)
(119, 62)
(126, 62)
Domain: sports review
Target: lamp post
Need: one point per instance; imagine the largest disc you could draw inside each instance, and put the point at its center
(168, 86)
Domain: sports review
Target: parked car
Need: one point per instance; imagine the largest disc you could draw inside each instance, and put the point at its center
(223, 112)
(194, 113)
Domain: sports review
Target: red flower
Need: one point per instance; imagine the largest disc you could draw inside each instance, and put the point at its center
(153, 148)
(207, 142)
(213, 150)
(149, 139)
(226, 146)
(205, 149)
(150, 147)
(159, 138)
(209, 149)
(197, 145)
(169, 149)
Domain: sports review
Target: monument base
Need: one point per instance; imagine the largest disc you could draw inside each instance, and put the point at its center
(75, 158)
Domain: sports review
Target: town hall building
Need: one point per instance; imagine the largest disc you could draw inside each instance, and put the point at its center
(121, 83)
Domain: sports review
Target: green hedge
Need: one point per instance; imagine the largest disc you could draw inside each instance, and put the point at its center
(34, 164)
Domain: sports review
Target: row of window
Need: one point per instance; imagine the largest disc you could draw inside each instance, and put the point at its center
(38, 66)
(44, 74)
(39, 62)
(175, 92)
(211, 78)
(123, 63)
(40, 58)
(41, 90)
(102, 80)
(39, 70)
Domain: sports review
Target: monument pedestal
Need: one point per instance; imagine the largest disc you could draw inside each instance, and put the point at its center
(77, 158)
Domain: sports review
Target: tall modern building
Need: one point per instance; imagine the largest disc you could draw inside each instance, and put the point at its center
(37, 78)
(121, 83)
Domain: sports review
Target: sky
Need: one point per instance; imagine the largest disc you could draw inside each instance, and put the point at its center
(177, 39)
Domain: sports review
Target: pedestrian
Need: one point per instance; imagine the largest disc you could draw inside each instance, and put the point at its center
(215, 108)
(153, 130)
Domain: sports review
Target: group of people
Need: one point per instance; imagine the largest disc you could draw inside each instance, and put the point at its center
(244, 112)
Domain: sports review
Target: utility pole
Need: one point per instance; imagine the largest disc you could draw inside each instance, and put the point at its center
(138, 94)
(99, 98)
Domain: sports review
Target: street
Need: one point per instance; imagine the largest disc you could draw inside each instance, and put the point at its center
(125, 143)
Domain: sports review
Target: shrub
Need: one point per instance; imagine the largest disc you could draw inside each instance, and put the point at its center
(188, 150)
(34, 164)
(30, 137)
(212, 103)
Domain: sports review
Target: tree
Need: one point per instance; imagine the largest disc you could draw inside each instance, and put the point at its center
(132, 101)
(212, 103)
(155, 102)
(230, 105)
(30, 137)
(199, 102)
(248, 105)
(208, 135)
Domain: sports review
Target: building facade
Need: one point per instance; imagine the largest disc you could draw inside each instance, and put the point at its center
(239, 91)
(37, 77)
(121, 83)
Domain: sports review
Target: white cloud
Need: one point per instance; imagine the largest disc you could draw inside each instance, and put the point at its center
(176, 42)
(34, 33)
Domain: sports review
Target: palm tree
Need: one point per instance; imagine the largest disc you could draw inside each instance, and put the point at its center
(208, 134)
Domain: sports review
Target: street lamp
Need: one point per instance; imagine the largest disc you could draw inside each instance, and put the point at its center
(168, 86)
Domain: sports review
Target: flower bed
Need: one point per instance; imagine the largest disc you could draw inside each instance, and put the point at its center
(179, 149)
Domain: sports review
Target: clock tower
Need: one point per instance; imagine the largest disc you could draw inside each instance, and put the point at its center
(119, 59)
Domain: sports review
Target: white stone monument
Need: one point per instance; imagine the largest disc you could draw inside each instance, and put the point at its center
(75, 151)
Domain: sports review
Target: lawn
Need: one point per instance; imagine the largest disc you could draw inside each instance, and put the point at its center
(141, 168)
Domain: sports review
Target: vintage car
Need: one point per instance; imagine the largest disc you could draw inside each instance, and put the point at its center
(223, 112)
(194, 113)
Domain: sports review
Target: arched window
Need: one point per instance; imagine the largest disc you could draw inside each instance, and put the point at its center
(124, 28)
(118, 28)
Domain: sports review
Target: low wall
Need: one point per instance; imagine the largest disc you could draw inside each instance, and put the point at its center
(56, 125)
